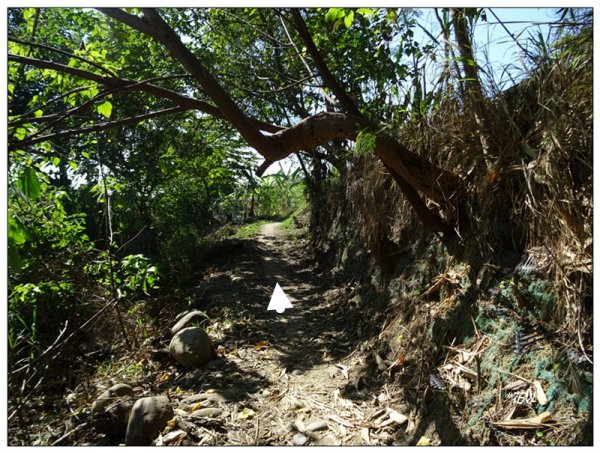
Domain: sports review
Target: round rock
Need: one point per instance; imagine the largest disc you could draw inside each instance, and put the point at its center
(148, 417)
(191, 347)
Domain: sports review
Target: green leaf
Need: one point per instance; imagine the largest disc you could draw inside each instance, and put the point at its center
(331, 15)
(365, 143)
(56, 161)
(391, 16)
(365, 11)
(349, 19)
(17, 235)
(334, 14)
(28, 13)
(29, 183)
(91, 92)
(14, 258)
(20, 133)
(85, 154)
(38, 113)
(105, 109)
(72, 99)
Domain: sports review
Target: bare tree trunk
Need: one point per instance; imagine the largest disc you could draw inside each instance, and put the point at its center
(476, 101)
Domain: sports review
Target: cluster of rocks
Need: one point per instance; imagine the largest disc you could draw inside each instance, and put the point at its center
(117, 413)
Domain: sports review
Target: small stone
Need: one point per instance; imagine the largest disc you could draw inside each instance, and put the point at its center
(297, 373)
(211, 412)
(382, 398)
(299, 439)
(192, 399)
(316, 425)
(180, 412)
(174, 437)
(206, 289)
(327, 440)
(220, 396)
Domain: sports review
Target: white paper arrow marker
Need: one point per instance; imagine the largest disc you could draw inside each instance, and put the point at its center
(279, 301)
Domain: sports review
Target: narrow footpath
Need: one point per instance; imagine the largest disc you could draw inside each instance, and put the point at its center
(296, 378)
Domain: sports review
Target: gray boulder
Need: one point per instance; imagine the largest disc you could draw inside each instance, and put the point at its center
(191, 347)
(110, 412)
(148, 418)
(194, 316)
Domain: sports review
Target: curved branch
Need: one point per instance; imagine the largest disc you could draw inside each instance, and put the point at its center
(96, 127)
(25, 118)
(61, 116)
(416, 171)
(153, 25)
(263, 167)
(63, 52)
(132, 85)
(435, 182)
(314, 130)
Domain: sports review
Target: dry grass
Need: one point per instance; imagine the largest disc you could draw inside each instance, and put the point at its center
(525, 219)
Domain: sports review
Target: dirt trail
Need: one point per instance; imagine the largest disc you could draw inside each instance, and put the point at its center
(300, 372)
(301, 288)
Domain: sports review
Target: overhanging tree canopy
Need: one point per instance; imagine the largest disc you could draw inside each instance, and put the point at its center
(324, 74)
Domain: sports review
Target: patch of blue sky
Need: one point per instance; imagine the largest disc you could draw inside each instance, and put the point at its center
(502, 42)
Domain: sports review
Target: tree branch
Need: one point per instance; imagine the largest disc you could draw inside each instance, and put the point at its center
(345, 101)
(430, 221)
(25, 118)
(63, 52)
(327, 98)
(97, 127)
(411, 171)
(477, 103)
(129, 85)
(57, 116)
(308, 133)
(153, 25)
(436, 183)
(263, 167)
(130, 20)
